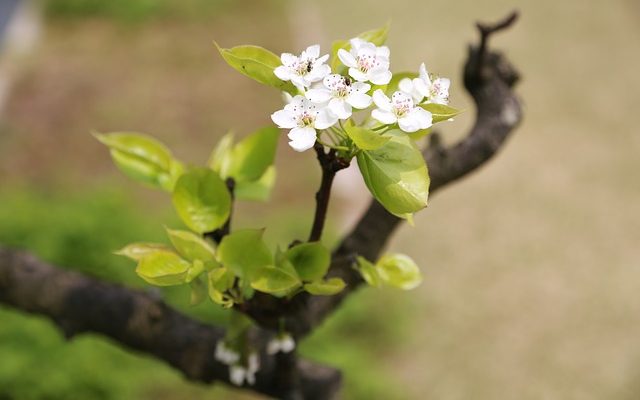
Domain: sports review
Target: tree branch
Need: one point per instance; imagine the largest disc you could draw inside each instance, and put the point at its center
(141, 322)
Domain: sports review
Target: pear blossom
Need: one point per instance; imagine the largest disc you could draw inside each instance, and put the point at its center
(238, 373)
(226, 355)
(341, 94)
(303, 118)
(305, 69)
(367, 62)
(281, 343)
(436, 90)
(401, 109)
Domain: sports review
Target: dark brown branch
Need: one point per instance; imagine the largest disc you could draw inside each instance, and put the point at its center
(139, 321)
(330, 165)
(489, 79)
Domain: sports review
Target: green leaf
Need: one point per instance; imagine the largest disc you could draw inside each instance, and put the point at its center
(136, 251)
(202, 200)
(163, 268)
(394, 84)
(191, 246)
(376, 36)
(399, 270)
(220, 159)
(244, 253)
(310, 260)
(417, 135)
(251, 157)
(196, 269)
(198, 292)
(364, 138)
(369, 272)
(440, 112)
(219, 281)
(396, 174)
(259, 190)
(258, 64)
(142, 158)
(325, 288)
(274, 280)
(336, 64)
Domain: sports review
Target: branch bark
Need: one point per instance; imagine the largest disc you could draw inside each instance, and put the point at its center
(141, 322)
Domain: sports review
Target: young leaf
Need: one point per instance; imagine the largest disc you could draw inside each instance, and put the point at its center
(364, 138)
(163, 268)
(417, 135)
(369, 272)
(198, 292)
(396, 174)
(399, 270)
(259, 190)
(310, 260)
(244, 253)
(274, 280)
(136, 251)
(219, 281)
(251, 157)
(196, 269)
(220, 159)
(376, 36)
(190, 246)
(440, 112)
(202, 200)
(258, 64)
(325, 288)
(142, 158)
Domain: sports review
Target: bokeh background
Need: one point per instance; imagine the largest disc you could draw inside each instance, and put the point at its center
(532, 265)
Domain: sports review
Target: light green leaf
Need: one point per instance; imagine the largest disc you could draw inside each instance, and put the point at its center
(202, 200)
(369, 272)
(244, 252)
(142, 158)
(376, 36)
(259, 190)
(394, 84)
(198, 292)
(364, 138)
(251, 157)
(274, 280)
(310, 260)
(325, 288)
(136, 251)
(258, 64)
(220, 159)
(163, 268)
(417, 135)
(440, 112)
(191, 246)
(219, 281)
(336, 64)
(396, 174)
(399, 270)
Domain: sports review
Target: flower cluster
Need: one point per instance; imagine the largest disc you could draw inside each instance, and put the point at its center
(239, 371)
(326, 98)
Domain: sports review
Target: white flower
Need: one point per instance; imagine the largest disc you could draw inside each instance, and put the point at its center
(303, 118)
(226, 355)
(281, 343)
(304, 70)
(367, 62)
(436, 90)
(400, 109)
(239, 373)
(342, 94)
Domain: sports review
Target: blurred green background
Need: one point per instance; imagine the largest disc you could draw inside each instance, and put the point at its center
(532, 267)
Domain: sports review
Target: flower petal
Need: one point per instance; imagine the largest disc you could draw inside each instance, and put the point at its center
(414, 120)
(284, 119)
(424, 75)
(312, 51)
(302, 138)
(288, 59)
(359, 100)
(381, 100)
(324, 119)
(421, 86)
(340, 108)
(347, 58)
(382, 51)
(406, 85)
(318, 95)
(386, 117)
(283, 73)
(358, 75)
(360, 87)
(380, 77)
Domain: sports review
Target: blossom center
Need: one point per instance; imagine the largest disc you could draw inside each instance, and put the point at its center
(303, 67)
(402, 104)
(366, 62)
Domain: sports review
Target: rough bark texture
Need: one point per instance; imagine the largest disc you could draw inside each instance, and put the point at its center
(146, 324)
